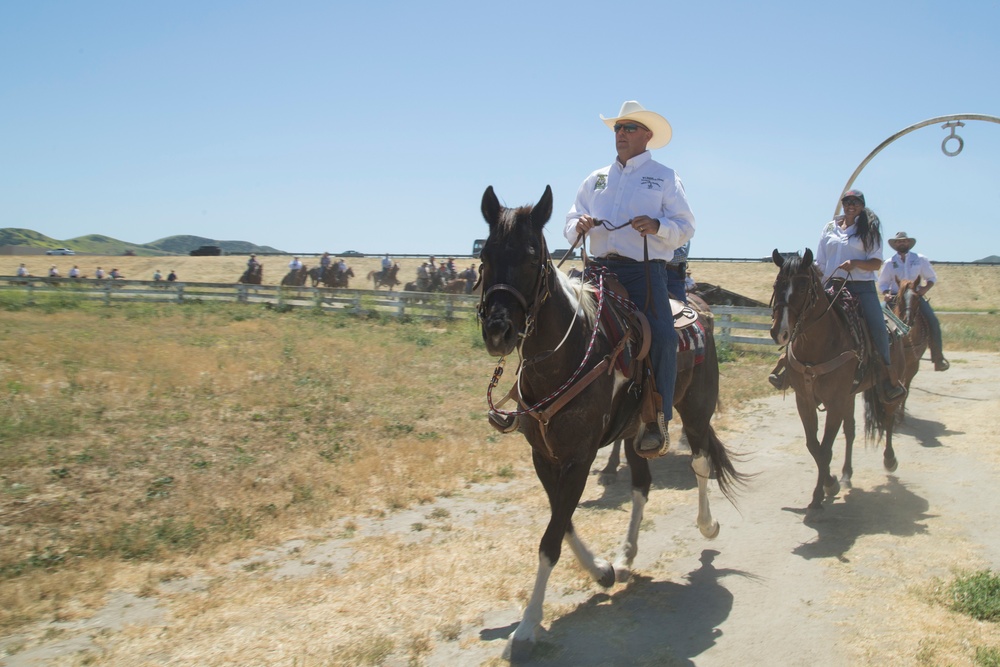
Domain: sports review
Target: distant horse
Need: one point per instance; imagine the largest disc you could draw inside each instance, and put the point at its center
(341, 279)
(826, 368)
(254, 275)
(320, 274)
(388, 279)
(906, 306)
(459, 286)
(572, 403)
(295, 277)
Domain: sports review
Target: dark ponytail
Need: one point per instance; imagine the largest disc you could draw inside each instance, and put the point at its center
(869, 229)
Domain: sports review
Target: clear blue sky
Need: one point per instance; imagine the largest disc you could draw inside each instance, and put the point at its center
(312, 126)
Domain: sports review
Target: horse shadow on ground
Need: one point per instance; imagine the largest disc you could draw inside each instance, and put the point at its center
(926, 432)
(672, 471)
(888, 509)
(647, 622)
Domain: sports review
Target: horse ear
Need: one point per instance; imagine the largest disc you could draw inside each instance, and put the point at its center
(779, 261)
(490, 206)
(542, 211)
(807, 257)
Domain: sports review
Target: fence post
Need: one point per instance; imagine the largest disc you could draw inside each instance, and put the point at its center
(724, 331)
(180, 292)
(241, 293)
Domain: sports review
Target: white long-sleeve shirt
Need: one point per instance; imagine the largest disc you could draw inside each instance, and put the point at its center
(618, 194)
(837, 245)
(911, 267)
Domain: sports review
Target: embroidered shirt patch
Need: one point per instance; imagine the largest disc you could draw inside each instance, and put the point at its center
(602, 182)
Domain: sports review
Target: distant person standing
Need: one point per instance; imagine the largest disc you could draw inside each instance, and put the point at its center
(906, 265)
(74, 272)
(53, 271)
(99, 273)
(172, 276)
(157, 276)
(22, 271)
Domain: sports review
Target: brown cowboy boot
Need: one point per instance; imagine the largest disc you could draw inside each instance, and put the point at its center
(892, 388)
(779, 376)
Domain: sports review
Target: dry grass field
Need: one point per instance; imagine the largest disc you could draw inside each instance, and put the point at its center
(141, 442)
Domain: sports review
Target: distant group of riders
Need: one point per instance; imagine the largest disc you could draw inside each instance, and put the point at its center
(435, 277)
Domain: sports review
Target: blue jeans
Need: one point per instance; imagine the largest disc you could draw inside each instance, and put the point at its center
(871, 309)
(935, 327)
(675, 284)
(663, 346)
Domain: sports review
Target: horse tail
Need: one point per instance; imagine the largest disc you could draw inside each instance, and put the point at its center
(876, 417)
(729, 479)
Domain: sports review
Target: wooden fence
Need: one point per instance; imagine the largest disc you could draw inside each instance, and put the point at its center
(751, 323)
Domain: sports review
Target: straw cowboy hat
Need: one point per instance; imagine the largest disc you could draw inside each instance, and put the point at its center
(656, 123)
(901, 241)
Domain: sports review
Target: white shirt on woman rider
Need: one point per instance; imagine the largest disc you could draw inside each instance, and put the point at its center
(911, 267)
(837, 245)
(618, 194)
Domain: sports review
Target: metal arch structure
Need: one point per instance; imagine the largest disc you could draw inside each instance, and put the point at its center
(950, 122)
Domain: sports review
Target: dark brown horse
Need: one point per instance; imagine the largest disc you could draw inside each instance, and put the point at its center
(295, 277)
(827, 369)
(254, 275)
(386, 278)
(530, 306)
(906, 306)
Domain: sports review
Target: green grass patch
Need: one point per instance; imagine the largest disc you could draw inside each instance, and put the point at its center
(977, 595)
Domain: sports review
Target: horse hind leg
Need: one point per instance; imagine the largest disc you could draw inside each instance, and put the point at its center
(609, 473)
(702, 468)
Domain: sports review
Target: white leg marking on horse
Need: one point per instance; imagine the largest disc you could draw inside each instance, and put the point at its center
(532, 617)
(706, 524)
(630, 547)
(593, 565)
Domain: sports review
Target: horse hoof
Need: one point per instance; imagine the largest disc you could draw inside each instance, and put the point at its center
(832, 489)
(813, 513)
(607, 578)
(710, 531)
(521, 649)
(845, 483)
(890, 464)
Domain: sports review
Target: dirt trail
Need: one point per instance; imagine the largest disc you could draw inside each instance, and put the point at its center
(443, 584)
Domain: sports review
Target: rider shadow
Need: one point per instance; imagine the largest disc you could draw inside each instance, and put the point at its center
(647, 622)
(926, 432)
(672, 471)
(888, 509)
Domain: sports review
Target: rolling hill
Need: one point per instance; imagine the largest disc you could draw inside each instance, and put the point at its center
(104, 245)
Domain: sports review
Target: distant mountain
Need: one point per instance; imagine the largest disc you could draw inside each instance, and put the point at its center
(105, 245)
(182, 245)
(992, 259)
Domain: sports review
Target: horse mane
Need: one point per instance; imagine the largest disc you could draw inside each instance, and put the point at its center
(577, 290)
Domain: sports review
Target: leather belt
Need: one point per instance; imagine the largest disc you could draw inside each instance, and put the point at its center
(615, 257)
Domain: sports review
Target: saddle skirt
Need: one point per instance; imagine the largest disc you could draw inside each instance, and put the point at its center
(618, 319)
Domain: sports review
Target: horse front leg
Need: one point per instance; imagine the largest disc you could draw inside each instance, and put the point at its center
(641, 481)
(564, 486)
(850, 428)
(822, 453)
(889, 461)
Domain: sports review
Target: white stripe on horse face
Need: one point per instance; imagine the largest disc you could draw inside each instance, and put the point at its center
(785, 327)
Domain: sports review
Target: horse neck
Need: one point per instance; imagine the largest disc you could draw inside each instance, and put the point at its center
(821, 321)
(549, 346)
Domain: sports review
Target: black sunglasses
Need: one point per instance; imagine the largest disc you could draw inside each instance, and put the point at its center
(629, 127)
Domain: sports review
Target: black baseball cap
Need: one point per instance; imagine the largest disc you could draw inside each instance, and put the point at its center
(854, 193)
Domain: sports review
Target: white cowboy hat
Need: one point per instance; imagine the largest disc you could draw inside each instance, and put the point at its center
(656, 123)
(901, 239)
